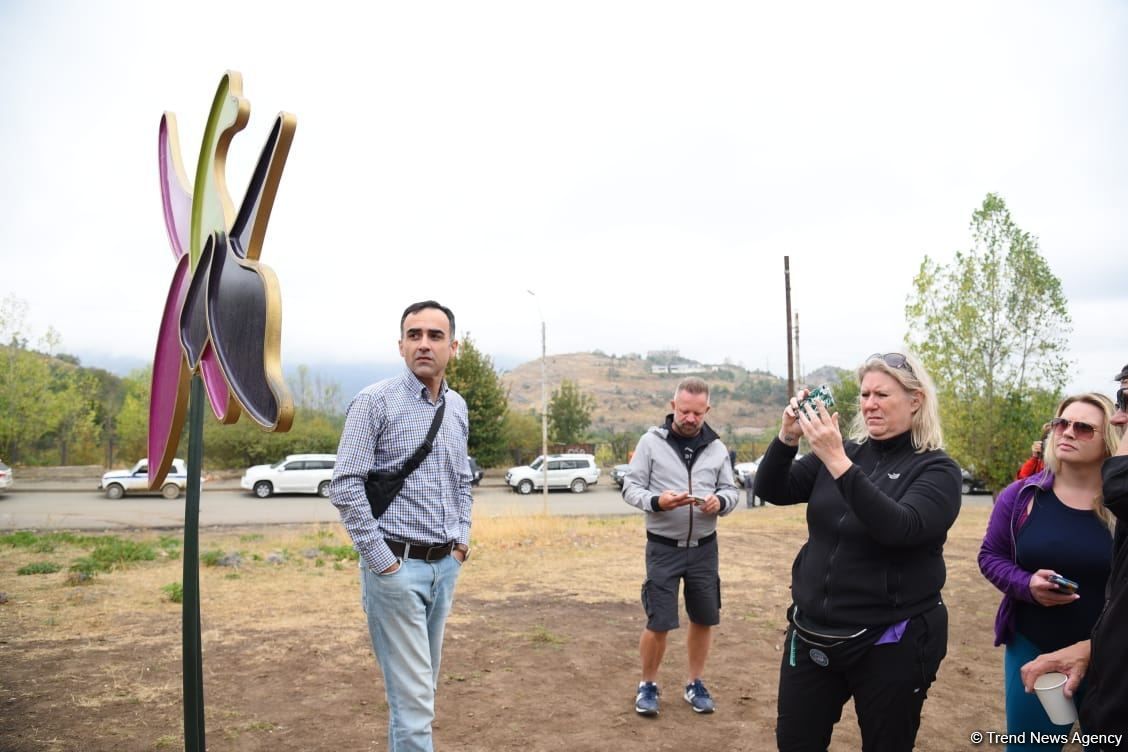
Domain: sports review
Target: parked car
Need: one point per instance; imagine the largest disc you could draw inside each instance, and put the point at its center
(297, 473)
(5, 477)
(973, 484)
(618, 473)
(118, 483)
(476, 472)
(574, 471)
(744, 472)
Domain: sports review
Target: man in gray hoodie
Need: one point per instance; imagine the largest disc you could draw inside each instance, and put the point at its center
(681, 477)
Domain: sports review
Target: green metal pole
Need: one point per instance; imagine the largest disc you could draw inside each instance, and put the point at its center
(190, 614)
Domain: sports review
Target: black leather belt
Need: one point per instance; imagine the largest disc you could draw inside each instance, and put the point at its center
(680, 543)
(424, 551)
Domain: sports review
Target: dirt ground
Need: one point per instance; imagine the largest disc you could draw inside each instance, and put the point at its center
(541, 650)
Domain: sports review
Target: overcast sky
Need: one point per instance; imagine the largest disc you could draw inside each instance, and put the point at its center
(643, 166)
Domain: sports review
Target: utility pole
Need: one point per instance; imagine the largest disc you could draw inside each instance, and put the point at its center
(787, 297)
(544, 408)
(798, 359)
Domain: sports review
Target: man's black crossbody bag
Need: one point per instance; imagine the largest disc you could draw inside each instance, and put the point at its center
(381, 486)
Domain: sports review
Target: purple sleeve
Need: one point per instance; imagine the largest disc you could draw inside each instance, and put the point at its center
(996, 554)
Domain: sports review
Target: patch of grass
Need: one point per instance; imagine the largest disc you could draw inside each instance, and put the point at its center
(21, 539)
(174, 591)
(85, 566)
(39, 567)
(250, 538)
(115, 553)
(46, 542)
(168, 542)
(340, 553)
(168, 741)
(211, 558)
(542, 636)
(112, 553)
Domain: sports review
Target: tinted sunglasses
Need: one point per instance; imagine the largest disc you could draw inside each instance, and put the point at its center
(893, 360)
(1121, 400)
(1083, 431)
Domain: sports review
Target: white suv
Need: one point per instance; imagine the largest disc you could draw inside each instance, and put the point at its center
(117, 483)
(298, 473)
(574, 471)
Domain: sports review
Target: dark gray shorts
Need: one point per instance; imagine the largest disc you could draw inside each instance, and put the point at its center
(697, 567)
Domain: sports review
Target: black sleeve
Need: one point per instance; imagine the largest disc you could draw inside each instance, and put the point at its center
(922, 515)
(1114, 474)
(782, 480)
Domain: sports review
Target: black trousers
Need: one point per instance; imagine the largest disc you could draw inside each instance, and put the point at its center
(888, 683)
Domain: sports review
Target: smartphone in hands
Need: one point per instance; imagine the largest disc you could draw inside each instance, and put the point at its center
(821, 392)
(1063, 584)
(697, 500)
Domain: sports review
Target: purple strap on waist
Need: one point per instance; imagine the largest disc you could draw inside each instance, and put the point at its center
(893, 633)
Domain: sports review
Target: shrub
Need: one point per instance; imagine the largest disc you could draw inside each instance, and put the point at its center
(174, 591)
(39, 567)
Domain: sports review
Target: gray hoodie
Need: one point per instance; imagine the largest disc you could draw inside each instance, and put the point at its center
(657, 466)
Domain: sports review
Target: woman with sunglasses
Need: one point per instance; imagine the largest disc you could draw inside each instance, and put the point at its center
(1042, 529)
(867, 619)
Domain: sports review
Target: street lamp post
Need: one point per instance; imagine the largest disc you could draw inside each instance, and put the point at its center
(544, 408)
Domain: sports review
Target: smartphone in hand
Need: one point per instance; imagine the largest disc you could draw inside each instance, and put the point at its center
(1063, 584)
(697, 500)
(818, 393)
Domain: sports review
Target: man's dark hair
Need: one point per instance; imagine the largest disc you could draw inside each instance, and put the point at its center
(417, 307)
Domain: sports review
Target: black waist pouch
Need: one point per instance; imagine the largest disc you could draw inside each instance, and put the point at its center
(829, 646)
(381, 487)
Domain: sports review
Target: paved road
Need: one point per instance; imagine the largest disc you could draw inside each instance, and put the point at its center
(60, 507)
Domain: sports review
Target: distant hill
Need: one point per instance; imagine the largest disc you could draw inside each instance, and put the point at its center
(629, 396)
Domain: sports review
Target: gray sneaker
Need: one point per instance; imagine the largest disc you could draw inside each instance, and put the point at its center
(646, 701)
(698, 697)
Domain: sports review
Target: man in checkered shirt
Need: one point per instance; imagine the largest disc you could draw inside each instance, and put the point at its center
(411, 556)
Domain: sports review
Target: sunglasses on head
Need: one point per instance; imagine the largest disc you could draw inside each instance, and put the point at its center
(893, 360)
(1083, 431)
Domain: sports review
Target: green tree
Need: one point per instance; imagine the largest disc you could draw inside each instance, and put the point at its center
(846, 397)
(992, 328)
(569, 413)
(71, 414)
(46, 402)
(131, 426)
(472, 375)
(521, 433)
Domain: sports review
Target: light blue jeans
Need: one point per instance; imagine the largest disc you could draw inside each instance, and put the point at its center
(407, 612)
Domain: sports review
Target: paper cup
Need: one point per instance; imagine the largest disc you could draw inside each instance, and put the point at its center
(1059, 708)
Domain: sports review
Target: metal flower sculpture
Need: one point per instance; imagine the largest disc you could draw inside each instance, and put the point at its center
(222, 317)
(220, 331)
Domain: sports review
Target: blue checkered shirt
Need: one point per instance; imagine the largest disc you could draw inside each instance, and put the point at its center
(384, 425)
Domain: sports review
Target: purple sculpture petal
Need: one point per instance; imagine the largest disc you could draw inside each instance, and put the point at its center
(176, 193)
(168, 399)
